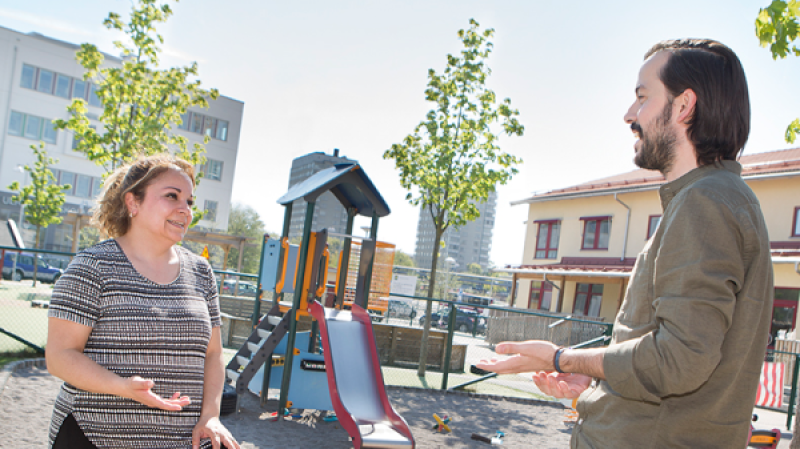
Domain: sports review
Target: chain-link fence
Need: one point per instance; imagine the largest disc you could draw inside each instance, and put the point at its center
(23, 301)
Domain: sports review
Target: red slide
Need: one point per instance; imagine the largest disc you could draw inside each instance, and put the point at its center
(355, 379)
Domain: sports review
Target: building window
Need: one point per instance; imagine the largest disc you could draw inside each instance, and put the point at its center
(184, 121)
(595, 232)
(588, 298)
(67, 178)
(222, 130)
(32, 127)
(15, 123)
(652, 225)
(94, 100)
(78, 89)
(45, 83)
(213, 170)
(202, 124)
(63, 83)
(547, 239)
(796, 224)
(210, 211)
(83, 186)
(49, 132)
(28, 79)
(541, 296)
(97, 187)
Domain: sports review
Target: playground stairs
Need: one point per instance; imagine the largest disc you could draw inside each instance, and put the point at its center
(257, 349)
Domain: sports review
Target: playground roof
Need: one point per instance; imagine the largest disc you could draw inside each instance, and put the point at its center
(348, 183)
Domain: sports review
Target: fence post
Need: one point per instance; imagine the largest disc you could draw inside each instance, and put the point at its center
(793, 394)
(451, 322)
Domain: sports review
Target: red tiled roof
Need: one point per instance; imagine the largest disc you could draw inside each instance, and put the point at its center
(753, 164)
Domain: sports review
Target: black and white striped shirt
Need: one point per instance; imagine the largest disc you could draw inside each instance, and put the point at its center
(139, 328)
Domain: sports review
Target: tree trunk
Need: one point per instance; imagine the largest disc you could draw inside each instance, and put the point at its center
(426, 329)
(36, 256)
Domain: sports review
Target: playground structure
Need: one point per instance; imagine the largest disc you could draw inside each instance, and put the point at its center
(344, 374)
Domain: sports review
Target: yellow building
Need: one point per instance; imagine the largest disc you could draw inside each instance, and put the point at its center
(581, 242)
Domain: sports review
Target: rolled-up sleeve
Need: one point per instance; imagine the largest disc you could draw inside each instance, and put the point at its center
(698, 271)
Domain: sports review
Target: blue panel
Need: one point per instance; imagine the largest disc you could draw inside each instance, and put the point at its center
(291, 265)
(270, 256)
(308, 388)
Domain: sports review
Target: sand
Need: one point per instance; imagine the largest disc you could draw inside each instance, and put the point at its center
(27, 400)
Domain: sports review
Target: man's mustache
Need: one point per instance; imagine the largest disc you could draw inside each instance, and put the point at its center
(635, 127)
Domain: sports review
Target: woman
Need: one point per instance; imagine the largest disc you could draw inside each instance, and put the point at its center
(134, 323)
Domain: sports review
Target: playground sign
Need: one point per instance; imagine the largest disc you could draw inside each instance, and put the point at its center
(404, 285)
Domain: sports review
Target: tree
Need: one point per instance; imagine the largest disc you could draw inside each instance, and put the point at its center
(245, 221)
(402, 259)
(141, 103)
(452, 158)
(475, 268)
(777, 27)
(42, 198)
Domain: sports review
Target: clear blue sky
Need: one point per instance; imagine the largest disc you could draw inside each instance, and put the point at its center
(318, 75)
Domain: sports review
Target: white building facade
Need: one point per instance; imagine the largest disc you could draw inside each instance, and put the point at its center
(39, 77)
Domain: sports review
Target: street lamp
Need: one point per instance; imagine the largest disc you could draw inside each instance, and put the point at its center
(450, 263)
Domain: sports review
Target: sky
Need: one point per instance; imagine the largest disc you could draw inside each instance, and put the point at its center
(317, 75)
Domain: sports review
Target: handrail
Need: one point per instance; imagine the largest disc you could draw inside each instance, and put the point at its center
(34, 250)
(321, 289)
(279, 284)
(234, 273)
(506, 309)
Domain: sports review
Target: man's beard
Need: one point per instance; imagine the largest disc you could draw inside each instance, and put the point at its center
(657, 150)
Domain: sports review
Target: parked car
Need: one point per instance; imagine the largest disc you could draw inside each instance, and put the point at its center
(465, 321)
(400, 309)
(24, 268)
(245, 288)
(434, 319)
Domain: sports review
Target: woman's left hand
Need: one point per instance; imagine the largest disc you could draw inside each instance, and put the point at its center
(211, 427)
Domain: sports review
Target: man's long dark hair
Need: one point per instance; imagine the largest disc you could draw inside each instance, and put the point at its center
(720, 124)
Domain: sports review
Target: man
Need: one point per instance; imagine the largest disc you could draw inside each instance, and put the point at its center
(683, 365)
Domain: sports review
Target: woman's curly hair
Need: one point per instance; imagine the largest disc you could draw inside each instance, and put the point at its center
(111, 215)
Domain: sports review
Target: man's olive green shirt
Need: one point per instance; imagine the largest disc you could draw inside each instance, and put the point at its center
(683, 365)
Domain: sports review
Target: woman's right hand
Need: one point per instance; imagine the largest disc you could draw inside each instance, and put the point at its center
(141, 390)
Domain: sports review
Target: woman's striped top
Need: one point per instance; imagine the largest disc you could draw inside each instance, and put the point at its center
(156, 331)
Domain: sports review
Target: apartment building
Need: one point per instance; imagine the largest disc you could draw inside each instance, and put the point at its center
(328, 211)
(39, 77)
(466, 245)
(581, 242)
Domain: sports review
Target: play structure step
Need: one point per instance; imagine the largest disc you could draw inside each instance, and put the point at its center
(233, 375)
(257, 349)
